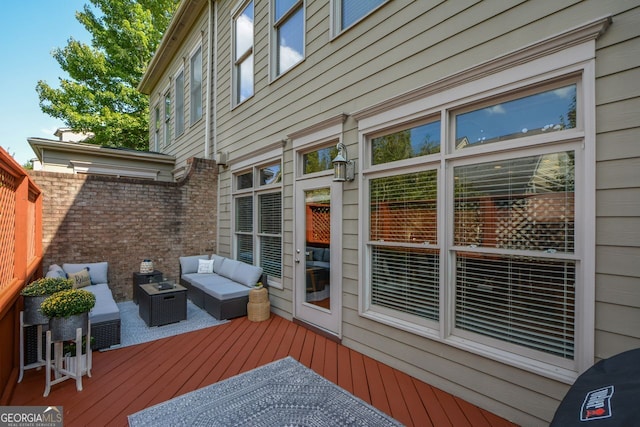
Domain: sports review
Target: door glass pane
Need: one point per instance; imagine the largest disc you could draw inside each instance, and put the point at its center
(318, 246)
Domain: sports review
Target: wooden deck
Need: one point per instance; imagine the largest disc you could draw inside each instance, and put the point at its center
(129, 379)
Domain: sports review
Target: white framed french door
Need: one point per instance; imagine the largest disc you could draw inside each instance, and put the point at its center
(318, 253)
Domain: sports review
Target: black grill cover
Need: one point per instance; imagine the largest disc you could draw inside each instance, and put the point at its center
(607, 394)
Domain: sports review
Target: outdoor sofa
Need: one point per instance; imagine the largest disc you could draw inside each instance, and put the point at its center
(105, 316)
(219, 285)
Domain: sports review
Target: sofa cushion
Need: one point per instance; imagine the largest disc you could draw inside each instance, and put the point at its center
(80, 279)
(226, 290)
(228, 268)
(56, 272)
(202, 281)
(189, 264)
(205, 266)
(97, 270)
(217, 263)
(247, 274)
(106, 308)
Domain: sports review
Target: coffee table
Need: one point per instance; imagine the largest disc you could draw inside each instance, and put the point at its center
(162, 306)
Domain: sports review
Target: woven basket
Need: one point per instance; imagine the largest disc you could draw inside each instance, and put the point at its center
(258, 311)
(258, 295)
(258, 307)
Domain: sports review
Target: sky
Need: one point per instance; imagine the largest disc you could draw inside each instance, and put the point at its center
(29, 31)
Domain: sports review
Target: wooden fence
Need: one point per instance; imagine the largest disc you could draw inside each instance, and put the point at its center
(20, 259)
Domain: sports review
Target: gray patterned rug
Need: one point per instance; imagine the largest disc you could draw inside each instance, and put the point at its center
(282, 393)
(133, 330)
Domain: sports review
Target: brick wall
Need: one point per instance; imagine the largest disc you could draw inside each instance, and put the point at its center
(89, 218)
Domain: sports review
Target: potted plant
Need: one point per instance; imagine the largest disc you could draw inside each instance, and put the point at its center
(67, 311)
(69, 351)
(36, 292)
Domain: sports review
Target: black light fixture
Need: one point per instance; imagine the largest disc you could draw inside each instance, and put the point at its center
(343, 168)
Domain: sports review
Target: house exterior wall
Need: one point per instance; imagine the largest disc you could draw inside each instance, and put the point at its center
(192, 141)
(402, 46)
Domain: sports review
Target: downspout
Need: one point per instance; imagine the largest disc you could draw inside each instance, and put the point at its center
(207, 126)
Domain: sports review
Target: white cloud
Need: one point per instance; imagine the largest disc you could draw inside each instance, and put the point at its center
(496, 109)
(564, 92)
(288, 57)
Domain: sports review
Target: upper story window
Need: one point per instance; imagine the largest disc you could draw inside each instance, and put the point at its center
(179, 91)
(196, 86)
(348, 12)
(288, 34)
(243, 54)
(167, 118)
(156, 134)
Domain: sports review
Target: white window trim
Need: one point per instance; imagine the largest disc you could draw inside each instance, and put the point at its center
(572, 52)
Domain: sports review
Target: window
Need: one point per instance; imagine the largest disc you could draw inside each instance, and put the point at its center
(196, 86)
(243, 54)
(167, 119)
(348, 12)
(479, 219)
(179, 91)
(258, 218)
(318, 160)
(288, 34)
(156, 134)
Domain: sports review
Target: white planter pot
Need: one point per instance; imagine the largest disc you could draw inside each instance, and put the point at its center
(71, 362)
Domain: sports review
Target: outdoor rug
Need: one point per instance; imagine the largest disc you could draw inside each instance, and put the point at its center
(133, 330)
(282, 393)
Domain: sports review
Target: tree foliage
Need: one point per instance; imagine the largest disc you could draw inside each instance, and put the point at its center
(100, 95)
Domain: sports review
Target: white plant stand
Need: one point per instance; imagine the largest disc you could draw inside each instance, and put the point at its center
(63, 371)
(39, 362)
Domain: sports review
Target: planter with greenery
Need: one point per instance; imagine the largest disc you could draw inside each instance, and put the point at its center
(67, 311)
(36, 292)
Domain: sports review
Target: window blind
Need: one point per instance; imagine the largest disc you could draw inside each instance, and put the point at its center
(520, 204)
(270, 233)
(406, 280)
(403, 210)
(526, 301)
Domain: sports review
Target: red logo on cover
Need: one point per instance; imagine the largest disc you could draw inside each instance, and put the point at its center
(597, 404)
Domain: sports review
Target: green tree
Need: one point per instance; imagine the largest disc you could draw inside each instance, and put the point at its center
(100, 95)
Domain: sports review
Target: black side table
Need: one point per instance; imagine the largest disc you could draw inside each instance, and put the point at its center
(141, 278)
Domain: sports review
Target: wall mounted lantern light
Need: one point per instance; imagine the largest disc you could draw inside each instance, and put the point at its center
(343, 168)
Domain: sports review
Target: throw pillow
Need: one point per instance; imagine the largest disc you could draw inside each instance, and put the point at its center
(80, 279)
(205, 266)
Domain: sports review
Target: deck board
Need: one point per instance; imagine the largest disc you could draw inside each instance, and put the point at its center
(127, 380)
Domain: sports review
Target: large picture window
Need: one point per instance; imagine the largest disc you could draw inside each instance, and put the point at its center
(258, 218)
(472, 228)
